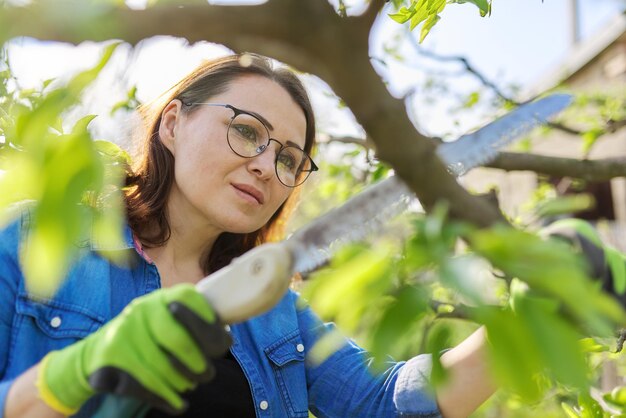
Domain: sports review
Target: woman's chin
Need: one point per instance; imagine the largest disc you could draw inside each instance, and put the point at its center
(243, 227)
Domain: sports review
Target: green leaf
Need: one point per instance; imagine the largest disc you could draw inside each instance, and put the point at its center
(419, 14)
(357, 275)
(428, 25)
(112, 152)
(407, 306)
(80, 127)
(516, 362)
(438, 340)
(556, 339)
(552, 268)
(380, 173)
(401, 17)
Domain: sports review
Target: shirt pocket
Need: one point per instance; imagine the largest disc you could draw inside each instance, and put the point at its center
(53, 324)
(287, 359)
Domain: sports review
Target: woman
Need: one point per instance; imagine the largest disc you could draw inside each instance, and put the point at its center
(222, 161)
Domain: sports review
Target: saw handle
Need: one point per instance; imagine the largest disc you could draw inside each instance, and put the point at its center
(250, 284)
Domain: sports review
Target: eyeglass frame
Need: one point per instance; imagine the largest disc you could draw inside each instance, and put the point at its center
(237, 112)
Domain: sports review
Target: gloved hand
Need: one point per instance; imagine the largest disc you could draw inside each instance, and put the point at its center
(605, 262)
(159, 346)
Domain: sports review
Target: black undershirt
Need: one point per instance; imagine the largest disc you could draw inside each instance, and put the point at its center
(227, 395)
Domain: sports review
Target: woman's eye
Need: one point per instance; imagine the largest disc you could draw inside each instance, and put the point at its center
(246, 132)
(287, 161)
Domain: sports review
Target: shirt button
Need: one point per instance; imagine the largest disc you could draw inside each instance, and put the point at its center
(300, 348)
(264, 405)
(55, 322)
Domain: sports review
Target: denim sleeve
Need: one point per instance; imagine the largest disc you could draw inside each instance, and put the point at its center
(344, 384)
(9, 277)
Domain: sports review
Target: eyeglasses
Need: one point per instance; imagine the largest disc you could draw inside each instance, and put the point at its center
(248, 137)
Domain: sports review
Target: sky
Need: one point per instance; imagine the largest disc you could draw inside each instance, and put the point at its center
(520, 41)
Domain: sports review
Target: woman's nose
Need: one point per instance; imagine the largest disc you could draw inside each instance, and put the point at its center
(263, 164)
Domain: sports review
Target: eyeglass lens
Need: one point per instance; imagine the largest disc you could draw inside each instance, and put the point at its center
(248, 137)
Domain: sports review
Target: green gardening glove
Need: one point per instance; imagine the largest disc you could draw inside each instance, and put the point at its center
(158, 347)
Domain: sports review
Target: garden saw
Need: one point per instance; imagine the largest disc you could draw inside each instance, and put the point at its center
(256, 281)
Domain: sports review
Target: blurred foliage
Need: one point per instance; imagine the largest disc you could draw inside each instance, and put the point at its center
(596, 112)
(68, 181)
(382, 293)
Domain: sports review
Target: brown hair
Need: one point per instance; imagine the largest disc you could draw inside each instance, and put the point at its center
(149, 184)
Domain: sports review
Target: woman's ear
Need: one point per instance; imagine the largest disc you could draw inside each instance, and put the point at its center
(169, 118)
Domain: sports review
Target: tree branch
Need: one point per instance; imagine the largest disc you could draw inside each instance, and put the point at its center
(591, 170)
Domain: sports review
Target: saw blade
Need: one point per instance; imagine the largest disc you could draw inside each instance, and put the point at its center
(363, 213)
(476, 149)
(368, 210)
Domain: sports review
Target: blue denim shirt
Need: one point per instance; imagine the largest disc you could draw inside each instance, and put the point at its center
(271, 348)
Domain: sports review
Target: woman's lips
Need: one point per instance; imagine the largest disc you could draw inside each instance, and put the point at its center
(250, 193)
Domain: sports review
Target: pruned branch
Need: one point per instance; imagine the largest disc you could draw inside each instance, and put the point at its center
(591, 170)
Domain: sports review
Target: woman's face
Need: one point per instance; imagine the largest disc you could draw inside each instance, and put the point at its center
(215, 187)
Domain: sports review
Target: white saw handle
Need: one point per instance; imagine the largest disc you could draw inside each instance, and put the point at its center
(250, 284)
